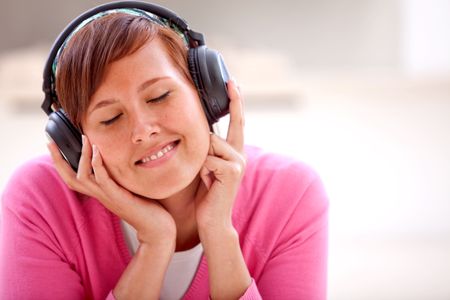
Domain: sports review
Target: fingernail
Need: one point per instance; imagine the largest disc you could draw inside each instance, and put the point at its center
(94, 150)
(83, 139)
(236, 85)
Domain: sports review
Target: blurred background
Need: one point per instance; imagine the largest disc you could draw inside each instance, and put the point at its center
(358, 89)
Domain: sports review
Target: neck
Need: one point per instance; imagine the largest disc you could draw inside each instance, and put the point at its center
(182, 208)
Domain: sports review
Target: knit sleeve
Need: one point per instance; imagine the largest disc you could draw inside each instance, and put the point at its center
(110, 296)
(251, 293)
(32, 264)
(297, 267)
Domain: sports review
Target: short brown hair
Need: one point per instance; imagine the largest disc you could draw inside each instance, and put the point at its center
(83, 61)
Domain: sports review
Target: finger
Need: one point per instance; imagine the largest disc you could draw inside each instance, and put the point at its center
(68, 174)
(84, 166)
(61, 165)
(235, 136)
(206, 177)
(222, 171)
(113, 195)
(101, 175)
(222, 149)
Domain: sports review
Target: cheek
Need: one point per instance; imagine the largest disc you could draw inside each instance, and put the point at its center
(186, 113)
(111, 147)
(188, 119)
(199, 131)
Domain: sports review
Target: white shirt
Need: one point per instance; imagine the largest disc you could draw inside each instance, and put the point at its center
(181, 269)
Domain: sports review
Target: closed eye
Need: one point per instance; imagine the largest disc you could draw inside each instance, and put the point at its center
(159, 98)
(110, 121)
(154, 100)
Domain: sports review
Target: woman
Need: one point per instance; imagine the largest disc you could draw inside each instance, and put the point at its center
(159, 206)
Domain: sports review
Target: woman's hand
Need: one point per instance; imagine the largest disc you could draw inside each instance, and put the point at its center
(223, 169)
(154, 225)
(156, 230)
(221, 175)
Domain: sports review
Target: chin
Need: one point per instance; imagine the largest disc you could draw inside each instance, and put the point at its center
(166, 188)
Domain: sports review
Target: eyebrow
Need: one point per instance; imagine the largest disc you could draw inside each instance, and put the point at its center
(141, 88)
(150, 82)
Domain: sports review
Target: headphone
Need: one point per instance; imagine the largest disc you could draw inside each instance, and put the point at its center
(206, 66)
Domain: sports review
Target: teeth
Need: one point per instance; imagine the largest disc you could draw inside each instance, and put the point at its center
(158, 154)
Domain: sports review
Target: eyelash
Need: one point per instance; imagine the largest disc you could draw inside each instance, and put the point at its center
(154, 100)
(160, 98)
(110, 121)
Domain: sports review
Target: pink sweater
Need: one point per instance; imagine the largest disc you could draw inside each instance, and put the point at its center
(58, 244)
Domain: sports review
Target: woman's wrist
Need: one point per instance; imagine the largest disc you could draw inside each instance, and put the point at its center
(162, 246)
(216, 232)
(144, 275)
(228, 274)
(158, 232)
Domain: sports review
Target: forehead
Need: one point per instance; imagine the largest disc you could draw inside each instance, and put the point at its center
(152, 53)
(128, 73)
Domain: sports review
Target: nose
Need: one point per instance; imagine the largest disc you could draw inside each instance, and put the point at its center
(144, 127)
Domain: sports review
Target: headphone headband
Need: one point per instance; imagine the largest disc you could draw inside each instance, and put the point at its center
(193, 38)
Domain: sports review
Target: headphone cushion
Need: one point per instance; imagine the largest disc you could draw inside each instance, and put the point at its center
(66, 136)
(210, 76)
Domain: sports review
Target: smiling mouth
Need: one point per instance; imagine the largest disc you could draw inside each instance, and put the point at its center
(159, 154)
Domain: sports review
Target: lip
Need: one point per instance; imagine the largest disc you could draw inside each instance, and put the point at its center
(154, 151)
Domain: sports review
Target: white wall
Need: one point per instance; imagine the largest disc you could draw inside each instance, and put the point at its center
(426, 39)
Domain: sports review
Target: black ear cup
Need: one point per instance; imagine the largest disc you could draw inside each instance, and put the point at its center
(66, 136)
(210, 76)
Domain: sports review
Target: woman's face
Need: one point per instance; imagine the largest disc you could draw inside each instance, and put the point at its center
(147, 121)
